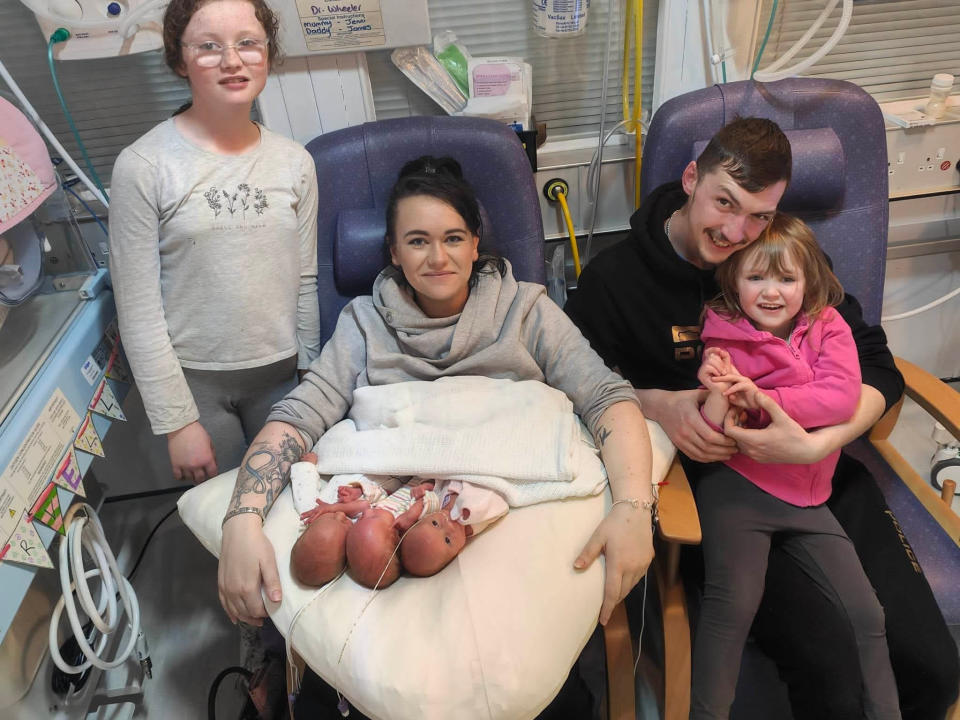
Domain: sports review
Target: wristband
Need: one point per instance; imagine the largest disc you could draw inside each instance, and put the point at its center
(241, 511)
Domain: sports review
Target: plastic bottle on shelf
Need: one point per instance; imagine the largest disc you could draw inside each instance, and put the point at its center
(940, 88)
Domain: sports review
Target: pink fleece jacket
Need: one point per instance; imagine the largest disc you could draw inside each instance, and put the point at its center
(814, 377)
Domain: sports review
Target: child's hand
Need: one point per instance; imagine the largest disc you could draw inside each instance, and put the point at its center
(716, 363)
(742, 393)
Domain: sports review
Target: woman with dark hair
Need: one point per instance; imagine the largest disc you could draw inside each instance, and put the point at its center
(442, 309)
(213, 244)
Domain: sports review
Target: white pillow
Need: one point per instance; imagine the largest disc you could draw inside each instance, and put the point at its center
(492, 636)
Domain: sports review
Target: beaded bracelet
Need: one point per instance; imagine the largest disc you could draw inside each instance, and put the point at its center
(241, 511)
(637, 503)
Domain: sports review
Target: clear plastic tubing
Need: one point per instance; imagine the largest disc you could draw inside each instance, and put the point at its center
(559, 18)
(940, 88)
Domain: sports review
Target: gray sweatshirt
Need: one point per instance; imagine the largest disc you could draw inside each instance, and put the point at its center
(508, 329)
(213, 260)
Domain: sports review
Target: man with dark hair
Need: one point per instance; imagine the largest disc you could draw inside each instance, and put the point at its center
(639, 305)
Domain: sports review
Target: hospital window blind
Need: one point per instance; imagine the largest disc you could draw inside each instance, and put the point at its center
(113, 100)
(891, 49)
(566, 73)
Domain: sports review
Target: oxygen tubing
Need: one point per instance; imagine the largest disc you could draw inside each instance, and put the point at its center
(61, 35)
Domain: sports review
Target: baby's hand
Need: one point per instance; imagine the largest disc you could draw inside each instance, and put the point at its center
(310, 515)
(418, 491)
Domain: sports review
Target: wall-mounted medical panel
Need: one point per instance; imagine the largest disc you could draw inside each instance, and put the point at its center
(924, 159)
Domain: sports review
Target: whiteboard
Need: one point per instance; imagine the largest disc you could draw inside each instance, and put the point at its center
(320, 27)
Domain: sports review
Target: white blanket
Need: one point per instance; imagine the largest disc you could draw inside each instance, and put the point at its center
(520, 439)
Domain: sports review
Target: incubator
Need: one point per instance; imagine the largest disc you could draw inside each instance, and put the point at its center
(45, 265)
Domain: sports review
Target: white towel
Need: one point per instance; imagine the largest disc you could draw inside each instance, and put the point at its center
(521, 439)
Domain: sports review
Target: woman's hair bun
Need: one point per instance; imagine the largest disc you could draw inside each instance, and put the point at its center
(428, 165)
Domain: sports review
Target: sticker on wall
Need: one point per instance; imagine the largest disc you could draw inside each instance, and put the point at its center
(105, 403)
(46, 509)
(87, 439)
(117, 369)
(68, 475)
(25, 546)
(90, 370)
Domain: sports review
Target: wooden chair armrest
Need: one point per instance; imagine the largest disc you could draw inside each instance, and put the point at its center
(943, 403)
(933, 395)
(679, 521)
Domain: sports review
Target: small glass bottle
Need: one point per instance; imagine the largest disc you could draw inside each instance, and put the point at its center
(940, 88)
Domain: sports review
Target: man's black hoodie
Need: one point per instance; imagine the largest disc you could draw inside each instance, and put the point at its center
(639, 304)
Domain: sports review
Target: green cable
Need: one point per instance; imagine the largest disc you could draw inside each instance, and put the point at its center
(723, 70)
(766, 36)
(61, 35)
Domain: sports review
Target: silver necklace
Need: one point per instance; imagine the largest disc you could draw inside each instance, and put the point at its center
(666, 226)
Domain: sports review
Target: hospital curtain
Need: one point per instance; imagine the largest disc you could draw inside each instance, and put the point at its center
(892, 48)
(566, 73)
(113, 100)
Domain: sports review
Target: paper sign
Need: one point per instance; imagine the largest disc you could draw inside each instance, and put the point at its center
(36, 459)
(329, 24)
(105, 403)
(46, 509)
(87, 439)
(25, 546)
(101, 353)
(67, 474)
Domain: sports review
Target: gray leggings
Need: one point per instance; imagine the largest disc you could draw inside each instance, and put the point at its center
(739, 520)
(234, 404)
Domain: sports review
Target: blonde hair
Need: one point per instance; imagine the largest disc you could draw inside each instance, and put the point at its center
(786, 238)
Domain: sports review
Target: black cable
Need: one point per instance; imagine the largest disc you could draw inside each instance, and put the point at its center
(147, 493)
(147, 542)
(212, 696)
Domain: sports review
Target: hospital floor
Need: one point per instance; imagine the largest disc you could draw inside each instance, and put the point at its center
(190, 638)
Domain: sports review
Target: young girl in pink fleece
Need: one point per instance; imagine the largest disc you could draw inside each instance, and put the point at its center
(774, 330)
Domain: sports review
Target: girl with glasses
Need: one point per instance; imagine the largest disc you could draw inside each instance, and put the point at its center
(213, 245)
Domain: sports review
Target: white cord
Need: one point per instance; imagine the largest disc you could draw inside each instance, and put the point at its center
(773, 72)
(924, 308)
(87, 532)
(51, 138)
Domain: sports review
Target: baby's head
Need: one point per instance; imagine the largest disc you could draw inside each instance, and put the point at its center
(786, 251)
(432, 543)
(318, 556)
(371, 543)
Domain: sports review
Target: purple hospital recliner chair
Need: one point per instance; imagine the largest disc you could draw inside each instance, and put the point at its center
(839, 188)
(357, 166)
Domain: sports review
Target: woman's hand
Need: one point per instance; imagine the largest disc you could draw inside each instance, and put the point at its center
(678, 413)
(625, 537)
(191, 453)
(247, 561)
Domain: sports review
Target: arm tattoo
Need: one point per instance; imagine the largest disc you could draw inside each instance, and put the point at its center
(266, 471)
(602, 435)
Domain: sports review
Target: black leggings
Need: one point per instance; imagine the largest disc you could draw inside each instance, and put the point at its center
(739, 521)
(813, 646)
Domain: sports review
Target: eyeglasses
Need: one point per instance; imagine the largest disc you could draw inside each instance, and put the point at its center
(210, 54)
